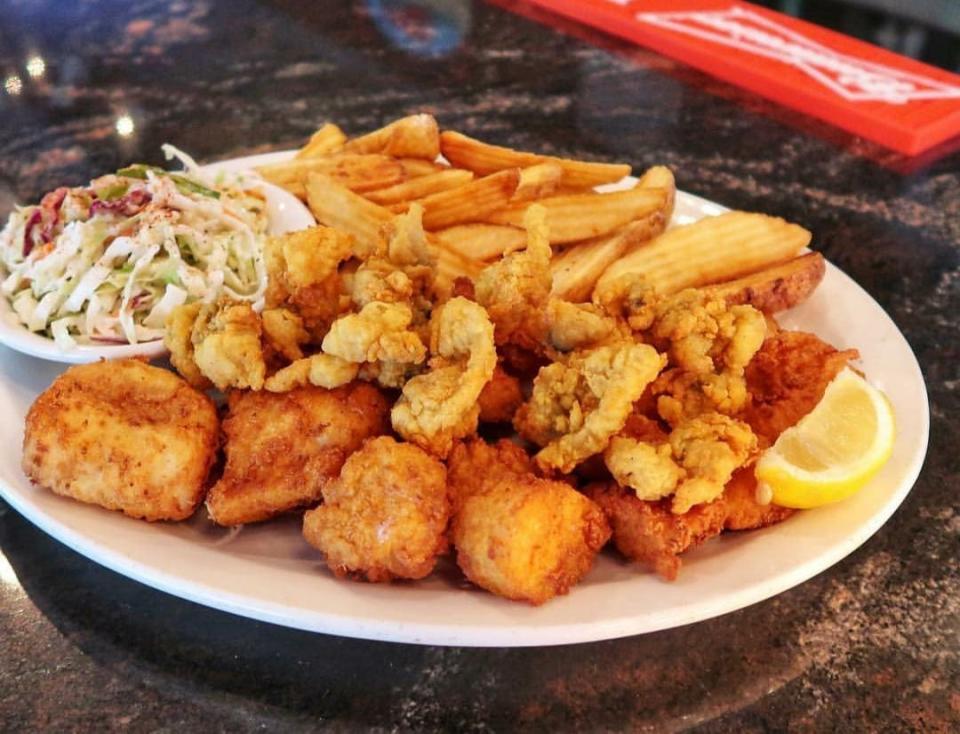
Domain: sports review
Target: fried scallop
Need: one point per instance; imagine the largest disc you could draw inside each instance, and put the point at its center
(475, 465)
(385, 516)
(528, 539)
(282, 448)
(125, 436)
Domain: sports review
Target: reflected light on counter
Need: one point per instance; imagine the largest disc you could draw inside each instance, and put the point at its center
(13, 85)
(125, 126)
(36, 66)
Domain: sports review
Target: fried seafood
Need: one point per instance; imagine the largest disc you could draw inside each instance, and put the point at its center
(500, 398)
(693, 464)
(651, 534)
(579, 404)
(515, 290)
(380, 332)
(475, 465)
(322, 370)
(125, 436)
(786, 380)
(223, 348)
(385, 516)
(440, 406)
(283, 334)
(528, 539)
(283, 448)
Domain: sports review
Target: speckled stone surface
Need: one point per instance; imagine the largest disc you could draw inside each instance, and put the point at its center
(873, 644)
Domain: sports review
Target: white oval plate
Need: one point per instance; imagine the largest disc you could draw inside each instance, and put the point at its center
(268, 572)
(285, 213)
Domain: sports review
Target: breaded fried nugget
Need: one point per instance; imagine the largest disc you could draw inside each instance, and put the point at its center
(500, 398)
(125, 436)
(475, 465)
(385, 516)
(528, 539)
(283, 447)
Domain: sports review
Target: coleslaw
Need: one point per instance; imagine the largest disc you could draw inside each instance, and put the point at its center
(107, 262)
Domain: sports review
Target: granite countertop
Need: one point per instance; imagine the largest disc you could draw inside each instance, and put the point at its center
(872, 644)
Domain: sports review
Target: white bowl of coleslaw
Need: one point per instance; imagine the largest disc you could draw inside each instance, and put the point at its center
(91, 272)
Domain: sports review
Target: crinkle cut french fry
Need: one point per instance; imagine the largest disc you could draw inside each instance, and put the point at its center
(337, 206)
(451, 265)
(416, 136)
(661, 177)
(576, 269)
(585, 216)
(471, 202)
(328, 139)
(416, 167)
(776, 288)
(417, 188)
(482, 241)
(355, 171)
(483, 158)
(708, 251)
(538, 181)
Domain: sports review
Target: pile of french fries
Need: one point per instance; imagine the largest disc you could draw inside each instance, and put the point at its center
(475, 195)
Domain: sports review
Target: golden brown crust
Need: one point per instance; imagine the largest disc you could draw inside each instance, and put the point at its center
(282, 448)
(528, 539)
(385, 516)
(500, 398)
(776, 288)
(125, 436)
(475, 465)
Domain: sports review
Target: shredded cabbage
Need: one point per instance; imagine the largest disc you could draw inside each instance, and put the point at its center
(107, 262)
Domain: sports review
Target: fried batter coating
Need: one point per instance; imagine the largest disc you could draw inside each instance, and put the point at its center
(225, 343)
(475, 465)
(693, 465)
(125, 436)
(177, 338)
(379, 333)
(787, 378)
(709, 449)
(385, 516)
(515, 290)
(441, 406)
(578, 405)
(302, 272)
(651, 534)
(322, 370)
(283, 333)
(579, 326)
(682, 395)
(528, 539)
(702, 335)
(283, 448)
(500, 398)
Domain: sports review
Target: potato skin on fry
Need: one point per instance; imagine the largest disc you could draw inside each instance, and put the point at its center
(283, 447)
(776, 288)
(528, 539)
(125, 436)
(385, 516)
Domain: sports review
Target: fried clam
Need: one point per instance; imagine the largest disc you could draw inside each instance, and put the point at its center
(441, 406)
(385, 516)
(282, 448)
(580, 403)
(125, 436)
(527, 539)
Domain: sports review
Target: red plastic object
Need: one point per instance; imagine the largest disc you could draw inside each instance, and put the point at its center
(882, 96)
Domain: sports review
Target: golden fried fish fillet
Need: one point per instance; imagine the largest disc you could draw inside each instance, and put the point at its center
(283, 447)
(786, 380)
(125, 436)
(528, 539)
(385, 516)
(651, 534)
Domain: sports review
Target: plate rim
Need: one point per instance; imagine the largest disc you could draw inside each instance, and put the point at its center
(510, 635)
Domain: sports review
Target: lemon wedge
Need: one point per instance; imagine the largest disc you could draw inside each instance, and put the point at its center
(834, 450)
